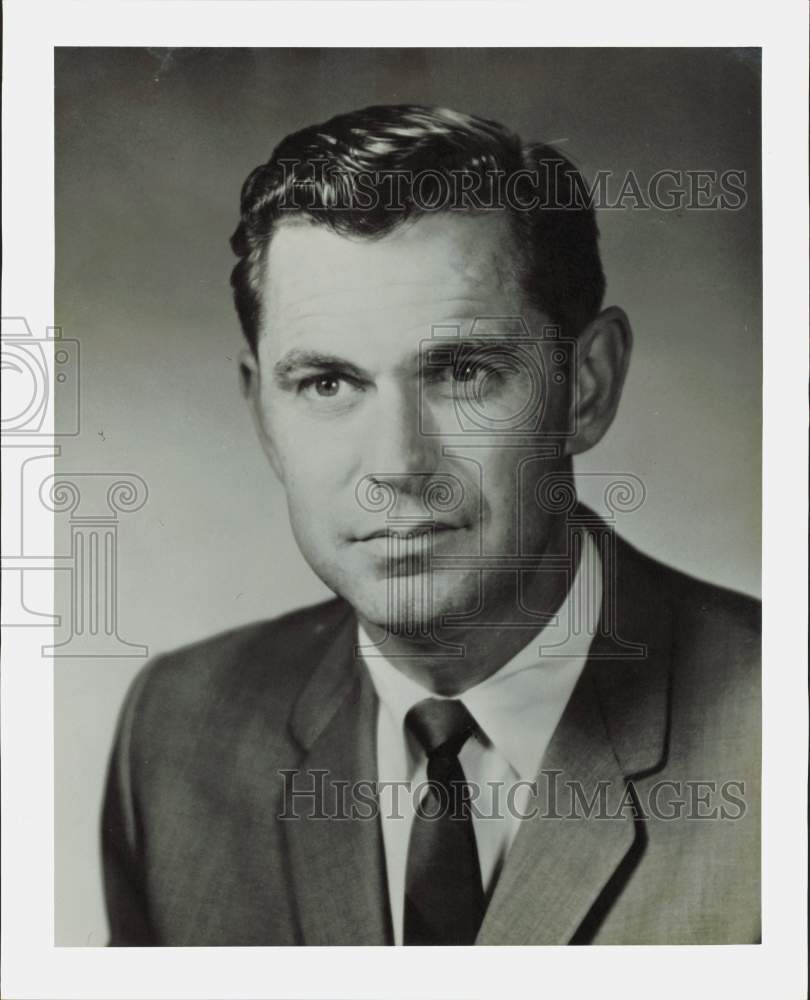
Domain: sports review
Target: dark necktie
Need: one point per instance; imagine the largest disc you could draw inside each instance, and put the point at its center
(444, 898)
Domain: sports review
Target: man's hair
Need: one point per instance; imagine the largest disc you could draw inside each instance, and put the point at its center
(366, 172)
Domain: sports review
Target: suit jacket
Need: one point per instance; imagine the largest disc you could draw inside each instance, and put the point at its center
(667, 710)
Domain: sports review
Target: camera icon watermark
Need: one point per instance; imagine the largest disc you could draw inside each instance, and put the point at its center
(496, 350)
(40, 381)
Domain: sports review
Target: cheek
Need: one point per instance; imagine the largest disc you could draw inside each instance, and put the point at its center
(309, 485)
(303, 461)
(558, 403)
(511, 481)
(500, 490)
(313, 474)
(311, 513)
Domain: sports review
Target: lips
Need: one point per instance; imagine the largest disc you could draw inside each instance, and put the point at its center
(413, 531)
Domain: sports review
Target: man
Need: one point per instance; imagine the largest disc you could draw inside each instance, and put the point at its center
(509, 727)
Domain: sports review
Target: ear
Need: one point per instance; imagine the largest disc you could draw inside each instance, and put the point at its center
(251, 385)
(603, 356)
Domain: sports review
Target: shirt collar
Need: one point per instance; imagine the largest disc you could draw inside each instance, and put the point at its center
(522, 701)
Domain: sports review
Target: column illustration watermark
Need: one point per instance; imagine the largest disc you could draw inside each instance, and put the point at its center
(41, 405)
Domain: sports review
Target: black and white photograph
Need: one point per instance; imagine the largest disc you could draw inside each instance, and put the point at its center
(509, 724)
(386, 497)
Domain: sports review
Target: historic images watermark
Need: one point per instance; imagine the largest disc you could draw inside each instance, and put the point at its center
(317, 184)
(310, 794)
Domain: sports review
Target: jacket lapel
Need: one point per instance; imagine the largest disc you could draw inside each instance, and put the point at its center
(564, 860)
(337, 861)
(559, 868)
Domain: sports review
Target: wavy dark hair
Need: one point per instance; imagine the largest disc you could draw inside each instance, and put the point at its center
(368, 171)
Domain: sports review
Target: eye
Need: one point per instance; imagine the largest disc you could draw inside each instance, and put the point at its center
(482, 376)
(467, 371)
(326, 385)
(329, 387)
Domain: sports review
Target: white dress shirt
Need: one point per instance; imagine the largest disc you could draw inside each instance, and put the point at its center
(517, 709)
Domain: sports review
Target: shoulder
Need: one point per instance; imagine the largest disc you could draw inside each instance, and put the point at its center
(710, 615)
(713, 636)
(693, 603)
(267, 661)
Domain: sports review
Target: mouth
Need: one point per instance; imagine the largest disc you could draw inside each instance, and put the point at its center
(412, 532)
(399, 550)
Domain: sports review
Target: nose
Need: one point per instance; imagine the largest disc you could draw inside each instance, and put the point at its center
(400, 447)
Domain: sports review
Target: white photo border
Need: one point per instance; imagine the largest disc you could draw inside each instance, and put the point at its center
(32, 965)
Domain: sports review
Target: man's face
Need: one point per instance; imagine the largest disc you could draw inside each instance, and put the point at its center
(392, 452)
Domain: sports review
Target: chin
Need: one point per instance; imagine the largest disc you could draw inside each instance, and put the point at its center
(416, 604)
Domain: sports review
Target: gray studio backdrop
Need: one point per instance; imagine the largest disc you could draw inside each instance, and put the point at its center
(151, 149)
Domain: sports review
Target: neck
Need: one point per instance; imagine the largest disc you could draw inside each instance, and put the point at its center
(435, 663)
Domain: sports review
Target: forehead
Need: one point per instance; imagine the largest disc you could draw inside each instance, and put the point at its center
(424, 272)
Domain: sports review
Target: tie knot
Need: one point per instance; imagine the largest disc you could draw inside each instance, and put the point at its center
(440, 725)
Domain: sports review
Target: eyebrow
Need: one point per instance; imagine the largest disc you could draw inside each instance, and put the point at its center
(481, 342)
(464, 347)
(299, 359)
(296, 360)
